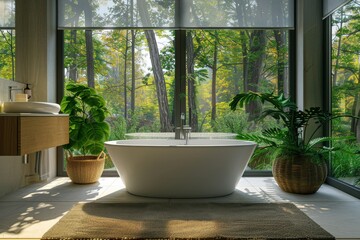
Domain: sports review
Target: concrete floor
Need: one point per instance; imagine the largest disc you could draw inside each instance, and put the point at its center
(29, 212)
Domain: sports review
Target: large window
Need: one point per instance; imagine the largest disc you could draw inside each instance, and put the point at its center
(7, 54)
(345, 165)
(7, 39)
(149, 75)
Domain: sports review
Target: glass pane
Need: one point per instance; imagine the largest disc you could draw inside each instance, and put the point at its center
(345, 165)
(7, 14)
(132, 70)
(116, 14)
(135, 72)
(237, 14)
(331, 5)
(222, 63)
(7, 54)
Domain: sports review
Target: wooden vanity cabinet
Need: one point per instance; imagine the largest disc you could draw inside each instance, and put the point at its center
(22, 135)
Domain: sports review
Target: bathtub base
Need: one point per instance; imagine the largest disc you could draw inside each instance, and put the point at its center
(170, 169)
(181, 196)
(184, 188)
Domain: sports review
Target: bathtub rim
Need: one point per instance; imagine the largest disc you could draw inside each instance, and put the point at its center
(181, 143)
(171, 135)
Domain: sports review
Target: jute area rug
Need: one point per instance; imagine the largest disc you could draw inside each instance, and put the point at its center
(186, 221)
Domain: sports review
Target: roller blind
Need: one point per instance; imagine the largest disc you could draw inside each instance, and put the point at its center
(175, 14)
(329, 6)
(7, 14)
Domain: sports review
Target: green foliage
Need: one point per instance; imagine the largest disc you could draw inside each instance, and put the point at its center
(295, 137)
(235, 122)
(75, 54)
(118, 128)
(7, 54)
(143, 119)
(345, 163)
(87, 112)
(345, 89)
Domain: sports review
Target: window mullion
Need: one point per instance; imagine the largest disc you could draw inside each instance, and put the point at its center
(180, 77)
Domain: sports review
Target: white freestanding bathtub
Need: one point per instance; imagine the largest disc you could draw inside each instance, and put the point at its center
(167, 168)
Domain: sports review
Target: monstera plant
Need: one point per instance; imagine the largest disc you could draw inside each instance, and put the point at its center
(88, 131)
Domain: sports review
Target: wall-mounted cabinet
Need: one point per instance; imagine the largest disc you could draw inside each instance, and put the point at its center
(27, 133)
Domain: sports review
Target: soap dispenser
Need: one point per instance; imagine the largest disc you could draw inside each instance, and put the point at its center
(27, 90)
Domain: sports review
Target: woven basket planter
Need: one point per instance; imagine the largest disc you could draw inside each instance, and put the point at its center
(299, 174)
(85, 169)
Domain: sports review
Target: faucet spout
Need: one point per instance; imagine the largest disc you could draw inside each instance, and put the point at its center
(186, 132)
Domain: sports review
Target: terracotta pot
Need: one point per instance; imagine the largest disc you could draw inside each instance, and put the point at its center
(85, 169)
(299, 174)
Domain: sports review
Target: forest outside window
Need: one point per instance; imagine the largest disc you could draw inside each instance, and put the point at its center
(7, 39)
(136, 66)
(345, 81)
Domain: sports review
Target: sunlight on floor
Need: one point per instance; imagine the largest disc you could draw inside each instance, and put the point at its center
(31, 211)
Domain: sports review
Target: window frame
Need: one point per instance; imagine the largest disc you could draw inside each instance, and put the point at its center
(180, 83)
(180, 89)
(332, 181)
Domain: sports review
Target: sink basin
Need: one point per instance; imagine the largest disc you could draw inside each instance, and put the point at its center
(31, 107)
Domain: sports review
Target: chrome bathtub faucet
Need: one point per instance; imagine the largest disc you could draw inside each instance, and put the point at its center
(183, 131)
(186, 132)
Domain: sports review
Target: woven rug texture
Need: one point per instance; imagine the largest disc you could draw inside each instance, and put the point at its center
(112, 221)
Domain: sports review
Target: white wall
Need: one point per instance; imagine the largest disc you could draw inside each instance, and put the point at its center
(309, 54)
(12, 171)
(35, 64)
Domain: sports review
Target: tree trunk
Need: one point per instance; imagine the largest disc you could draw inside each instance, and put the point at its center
(338, 50)
(90, 58)
(236, 79)
(281, 60)
(355, 124)
(132, 106)
(252, 60)
(73, 66)
(191, 82)
(213, 84)
(257, 53)
(165, 123)
(244, 51)
(89, 45)
(240, 12)
(132, 71)
(125, 74)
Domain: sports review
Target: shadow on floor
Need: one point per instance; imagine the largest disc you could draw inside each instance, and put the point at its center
(42, 203)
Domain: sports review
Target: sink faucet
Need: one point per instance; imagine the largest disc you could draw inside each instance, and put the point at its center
(183, 132)
(182, 117)
(185, 129)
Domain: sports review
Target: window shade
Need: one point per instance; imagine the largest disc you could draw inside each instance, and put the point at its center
(329, 6)
(7, 14)
(175, 14)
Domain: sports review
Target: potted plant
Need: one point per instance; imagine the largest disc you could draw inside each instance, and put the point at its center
(87, 133)
(299, 165)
